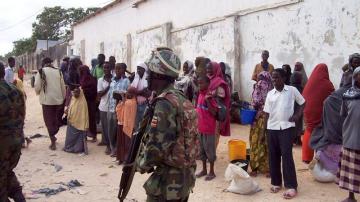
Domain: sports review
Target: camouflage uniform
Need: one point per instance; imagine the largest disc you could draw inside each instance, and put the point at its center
(167, 183)
(12, 114)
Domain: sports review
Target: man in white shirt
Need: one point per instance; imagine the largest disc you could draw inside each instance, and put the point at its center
(103, 87)
(280, 120)
(9, 71)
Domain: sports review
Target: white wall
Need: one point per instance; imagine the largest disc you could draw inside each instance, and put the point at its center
(315, 31)
(312, 31)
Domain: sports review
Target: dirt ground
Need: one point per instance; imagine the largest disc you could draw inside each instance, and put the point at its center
(100, 176)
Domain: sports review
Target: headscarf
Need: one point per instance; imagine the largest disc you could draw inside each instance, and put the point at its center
(140, 83)
(88, 83)
(348, 69)
(227, 74)
(287, 69)
(78, 115)
(216, 80)
(262, 87)
(354, 91)
(351, 57)
(190, 66)
(296, 80)
(304, 75)
(317, 89)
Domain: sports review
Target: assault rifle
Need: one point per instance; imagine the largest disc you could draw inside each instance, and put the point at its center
(130, 164)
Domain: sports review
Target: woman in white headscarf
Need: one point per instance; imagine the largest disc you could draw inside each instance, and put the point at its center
(139, 88)
(186, 82)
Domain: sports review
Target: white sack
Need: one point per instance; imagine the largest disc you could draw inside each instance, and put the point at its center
(241, 182)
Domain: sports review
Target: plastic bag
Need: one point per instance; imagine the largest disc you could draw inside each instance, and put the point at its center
(241, 182)
(320, 174)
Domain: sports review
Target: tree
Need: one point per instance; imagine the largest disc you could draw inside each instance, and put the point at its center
(53, 23)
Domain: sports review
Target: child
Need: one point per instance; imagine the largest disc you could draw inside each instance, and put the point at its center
(280, 124)
(206, 109)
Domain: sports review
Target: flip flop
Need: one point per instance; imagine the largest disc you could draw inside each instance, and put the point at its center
(289, 194)
(201, 174)
(275, 189)
(209, 177)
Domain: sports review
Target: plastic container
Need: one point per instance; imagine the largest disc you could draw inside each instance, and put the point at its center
(247, 116)
(237, 150)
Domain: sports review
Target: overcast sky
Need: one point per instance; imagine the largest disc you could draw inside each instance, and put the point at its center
(18, 15)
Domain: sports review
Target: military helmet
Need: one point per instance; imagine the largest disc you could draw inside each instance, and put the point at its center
(164, 61)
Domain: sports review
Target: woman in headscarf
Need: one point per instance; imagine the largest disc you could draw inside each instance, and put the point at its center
(226, 70)
(348, 175)
(139, 90)
(78, 122)
(296, 81)
(89, 86)
(219, 89)
(259, 161)
(299, 67)
(326, 139)
(348, 69)
(186, 83)
(287, 69)
(317, 89)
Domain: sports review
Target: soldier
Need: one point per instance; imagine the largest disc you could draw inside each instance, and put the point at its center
(168, 148)
(12, 115)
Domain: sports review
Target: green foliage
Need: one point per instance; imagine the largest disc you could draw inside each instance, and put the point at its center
(53, 23)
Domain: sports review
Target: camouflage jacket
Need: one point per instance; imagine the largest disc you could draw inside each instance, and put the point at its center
(12, 111)
(169, 182)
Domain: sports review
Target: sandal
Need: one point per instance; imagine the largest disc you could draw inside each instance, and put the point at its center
(201, 174)
(275, 189)
(290, 193)
(210, 177)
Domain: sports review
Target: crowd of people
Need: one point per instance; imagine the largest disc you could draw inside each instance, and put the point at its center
(292, 109)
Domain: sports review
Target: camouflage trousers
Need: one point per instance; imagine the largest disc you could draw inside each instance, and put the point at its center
(160, 199)
(10, 152)
(170, 184)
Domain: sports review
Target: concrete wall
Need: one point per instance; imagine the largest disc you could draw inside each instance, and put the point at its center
(234, 31)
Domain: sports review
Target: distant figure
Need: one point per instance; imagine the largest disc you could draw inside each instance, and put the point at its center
(348, 175)
(348, 69)
(287, 69)
(89, 88)
(78, 122)
(317, 89)
(64, 66)
(226, 70)
(112, 62)
(94, 62)
(12, 116)
(50, 86)
(185, 83)
(280, 119)
(263, 66)
(296, 81)
(299, 67)
(98, 71)
(259, 160)
(21, 72)
(103, 87)
(9, 71)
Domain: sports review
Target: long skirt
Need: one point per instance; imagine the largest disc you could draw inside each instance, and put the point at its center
(307, 152)
(259, 160)
(75, 141)
(123, 144)
(52, 115)
(348, 177)
(92, 118)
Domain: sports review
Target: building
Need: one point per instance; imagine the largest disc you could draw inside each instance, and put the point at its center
(234, 31)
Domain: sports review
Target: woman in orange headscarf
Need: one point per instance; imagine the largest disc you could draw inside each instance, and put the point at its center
(317, 89)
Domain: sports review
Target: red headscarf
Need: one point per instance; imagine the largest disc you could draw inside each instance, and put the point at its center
(216, 80)
(316, 90)
(88, 83)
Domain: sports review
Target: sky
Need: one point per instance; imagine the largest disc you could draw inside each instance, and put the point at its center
(17, 17)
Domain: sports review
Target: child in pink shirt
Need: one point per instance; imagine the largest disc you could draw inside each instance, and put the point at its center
(206, 109)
